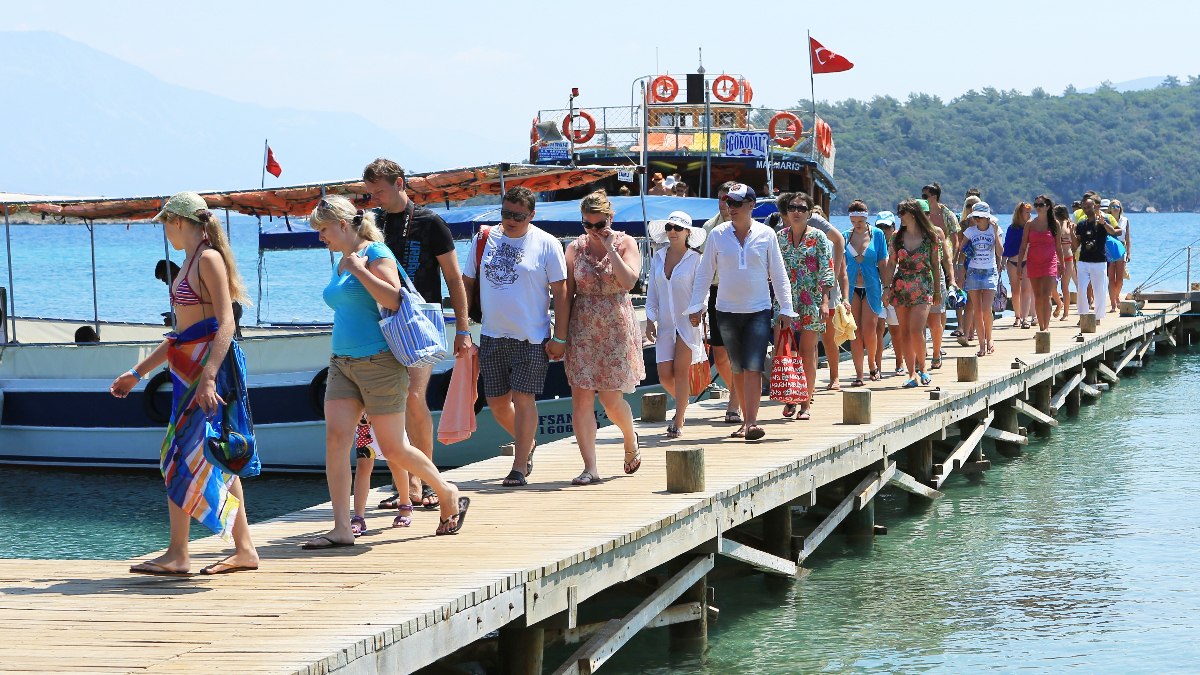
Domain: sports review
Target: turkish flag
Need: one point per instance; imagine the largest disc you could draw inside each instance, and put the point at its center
(273, 167)
(825, 61)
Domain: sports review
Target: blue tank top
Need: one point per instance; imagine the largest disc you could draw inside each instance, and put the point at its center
(356, 330)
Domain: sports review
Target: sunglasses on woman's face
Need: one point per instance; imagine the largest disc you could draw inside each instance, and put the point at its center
(595, 226)
(676, 228)
(1041, 205)
(797, 208)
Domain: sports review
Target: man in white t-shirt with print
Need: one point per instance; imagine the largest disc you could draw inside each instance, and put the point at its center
(521, 269)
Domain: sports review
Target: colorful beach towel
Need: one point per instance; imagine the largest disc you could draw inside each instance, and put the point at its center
(194, 484)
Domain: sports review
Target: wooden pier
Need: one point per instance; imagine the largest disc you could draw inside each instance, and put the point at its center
(531, 559)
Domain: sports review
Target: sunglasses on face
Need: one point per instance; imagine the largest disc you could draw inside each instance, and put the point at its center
(797, 208)
(1041, 205)
(595, 226)
(515, 216)
(733, 203)
(676, 228)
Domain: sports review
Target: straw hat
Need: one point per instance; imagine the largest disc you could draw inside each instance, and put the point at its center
(656, 229)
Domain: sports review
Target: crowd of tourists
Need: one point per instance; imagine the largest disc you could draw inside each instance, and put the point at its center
(729, 290)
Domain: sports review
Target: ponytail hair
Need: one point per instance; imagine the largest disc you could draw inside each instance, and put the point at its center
(216, 239)
(337, 209)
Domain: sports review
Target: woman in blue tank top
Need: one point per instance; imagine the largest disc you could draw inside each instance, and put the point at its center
(363, 374)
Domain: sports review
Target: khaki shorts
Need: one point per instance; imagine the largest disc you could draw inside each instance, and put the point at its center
(378, 381)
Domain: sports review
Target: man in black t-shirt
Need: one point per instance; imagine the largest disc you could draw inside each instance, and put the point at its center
(1091, 235)
(424, 248)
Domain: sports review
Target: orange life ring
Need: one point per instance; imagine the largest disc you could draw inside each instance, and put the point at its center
(793, 126)
(663, 89)
(729, 85)
(824, 138)
(577, 135)
(747, 92)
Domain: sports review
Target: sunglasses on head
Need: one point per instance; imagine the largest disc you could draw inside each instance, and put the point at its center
(797, 208)
(595, 226)
(671, 227)
(515, 216)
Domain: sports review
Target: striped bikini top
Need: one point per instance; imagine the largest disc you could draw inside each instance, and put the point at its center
(182, 294)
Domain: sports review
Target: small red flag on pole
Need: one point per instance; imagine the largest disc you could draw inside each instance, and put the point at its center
(825, 61)
(273, 167)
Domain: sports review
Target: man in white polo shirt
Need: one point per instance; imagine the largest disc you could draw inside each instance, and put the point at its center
(747, 255)
(521, 269)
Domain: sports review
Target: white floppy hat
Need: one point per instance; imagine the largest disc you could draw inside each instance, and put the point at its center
(657, 229)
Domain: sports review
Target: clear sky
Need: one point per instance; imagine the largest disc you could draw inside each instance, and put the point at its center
(461, 79)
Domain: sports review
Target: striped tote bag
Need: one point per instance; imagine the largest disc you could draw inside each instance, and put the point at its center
(415, 333)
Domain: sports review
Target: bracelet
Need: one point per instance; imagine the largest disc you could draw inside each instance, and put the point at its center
(135, 373)
(555, 338)
(463, 332)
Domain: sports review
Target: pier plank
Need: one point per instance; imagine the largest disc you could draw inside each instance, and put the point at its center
(402, 598)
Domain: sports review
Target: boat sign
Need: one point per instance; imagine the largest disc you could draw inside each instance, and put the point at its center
(625, 175)
(553, 152)
(746, 144)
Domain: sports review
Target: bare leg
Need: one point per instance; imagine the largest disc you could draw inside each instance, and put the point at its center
(362, 484)
(858, 347)
(583, 408)
(682, 371)
(1014, 284)
(877, 358)
(936, 321)
(418, 421)
(808, 352)
(341, 420)
(389, 429)
(831, 351)
(666, 377)
(618, 410)
(721, 361)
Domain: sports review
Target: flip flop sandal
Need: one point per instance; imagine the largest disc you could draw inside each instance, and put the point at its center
(514, 479)
(358, 524)
(858, 382)
(935, 364)
(833, 386)
(224, 567)
(329, 543)
(962, 340)
(429, 498)
(981, 352)
(403, 520)
(391, 502)
(876, 376)
(673, 432)
(911, 384)
(755, 432)
(529, 462)
(740, 433)
(155, 570)
(464, 503)
(636, 460)
(789, 410)
(733, 417)
(585, 478)
(925, 378)
(991, 349)
(804, 416)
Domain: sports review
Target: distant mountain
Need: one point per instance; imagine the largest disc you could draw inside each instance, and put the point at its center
(77, 121)
(1130, 85)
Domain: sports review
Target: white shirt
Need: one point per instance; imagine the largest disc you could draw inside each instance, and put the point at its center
(514, 289)
(748, 272)
(667, 301)
(983, 243)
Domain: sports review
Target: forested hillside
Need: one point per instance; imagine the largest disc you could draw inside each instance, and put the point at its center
(1140, 146)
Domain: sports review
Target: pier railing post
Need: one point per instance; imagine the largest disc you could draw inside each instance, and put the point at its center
(920, 465)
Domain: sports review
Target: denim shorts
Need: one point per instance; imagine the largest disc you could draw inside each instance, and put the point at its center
(746, 337)
(980, 280)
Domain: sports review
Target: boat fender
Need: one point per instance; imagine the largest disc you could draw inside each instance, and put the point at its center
(725, 88)
(791, 129)
(316, 392)
(577, 135)
(663, 89)
(150, 398)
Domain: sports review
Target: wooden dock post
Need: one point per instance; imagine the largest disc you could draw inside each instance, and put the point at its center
(1041, 342)
(968, 368)
(1075, 396)
(856, 406)
(521, 648)
(1039, 395)
(685, 469)
(920, 466)
(859, 523)
(654, 407)
(690, 634)
(1006, 421)
(777, 540)
(1087, 323)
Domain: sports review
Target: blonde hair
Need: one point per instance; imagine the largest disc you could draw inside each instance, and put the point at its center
(215, 236)
(337, 209)
(972, 200)
(597, 202)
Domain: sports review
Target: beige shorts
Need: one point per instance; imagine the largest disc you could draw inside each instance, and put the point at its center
(378, 381)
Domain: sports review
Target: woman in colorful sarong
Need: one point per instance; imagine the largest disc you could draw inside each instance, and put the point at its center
(363, 373)
(208, 373)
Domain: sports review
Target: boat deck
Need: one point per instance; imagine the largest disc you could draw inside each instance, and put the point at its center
(402, 598)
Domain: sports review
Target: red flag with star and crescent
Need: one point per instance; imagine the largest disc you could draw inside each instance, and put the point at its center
(825, 61)
(273, 167)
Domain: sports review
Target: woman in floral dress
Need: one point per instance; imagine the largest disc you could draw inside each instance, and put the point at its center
(916, 283)
(604, 345)
(810, 273)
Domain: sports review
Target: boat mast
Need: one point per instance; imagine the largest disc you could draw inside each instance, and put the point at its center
(12, 296)
(707, 130)
(91, 226)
